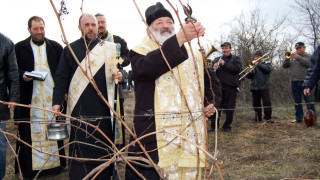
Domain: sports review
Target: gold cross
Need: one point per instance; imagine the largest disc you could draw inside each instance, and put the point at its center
(113, 64)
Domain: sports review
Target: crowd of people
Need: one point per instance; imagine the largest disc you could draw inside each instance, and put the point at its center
(167, 80)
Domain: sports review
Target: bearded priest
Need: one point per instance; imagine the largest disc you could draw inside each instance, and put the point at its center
(160, 104)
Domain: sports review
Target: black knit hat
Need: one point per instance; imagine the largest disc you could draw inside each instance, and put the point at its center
(258, 53)
(156, 11)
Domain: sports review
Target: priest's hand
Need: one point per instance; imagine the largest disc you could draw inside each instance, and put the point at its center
(209, 110)
(118, 76)
(190, 32)
(56, 108)
(11, 106)
(26, 78)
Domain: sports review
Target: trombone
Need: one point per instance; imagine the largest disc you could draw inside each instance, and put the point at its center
(251, 65)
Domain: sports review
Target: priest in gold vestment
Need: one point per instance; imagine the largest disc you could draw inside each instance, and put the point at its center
(159, 103)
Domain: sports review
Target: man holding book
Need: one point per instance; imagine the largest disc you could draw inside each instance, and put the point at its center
(37, 55)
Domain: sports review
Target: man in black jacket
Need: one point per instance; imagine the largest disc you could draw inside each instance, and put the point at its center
(313, 75)
(228, 67)
(259, 87)
(9, 80)
(36, 53)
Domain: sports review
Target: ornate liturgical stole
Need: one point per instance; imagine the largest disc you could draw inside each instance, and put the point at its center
(101, 53)
(42, 97)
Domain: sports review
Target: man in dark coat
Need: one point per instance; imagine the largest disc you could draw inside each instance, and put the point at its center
(228, 67)
(313, 63)
(159, 103)
(9, 91)
(313, 73)
(36, 53)
(260, 88)
(83, 100)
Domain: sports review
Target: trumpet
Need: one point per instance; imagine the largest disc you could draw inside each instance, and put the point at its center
(251, 65)
(288, 54)
(211, 50)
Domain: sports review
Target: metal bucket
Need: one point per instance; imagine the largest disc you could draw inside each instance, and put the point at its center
(57, 131)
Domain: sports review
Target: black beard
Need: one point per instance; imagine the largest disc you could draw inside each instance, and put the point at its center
(36, 39)
(102, 34)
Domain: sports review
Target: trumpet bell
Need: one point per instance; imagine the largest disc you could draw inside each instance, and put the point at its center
(250, 63)
(288, 55)
(211, 50)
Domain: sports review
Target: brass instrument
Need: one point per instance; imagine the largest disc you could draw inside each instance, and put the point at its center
(209, 62)
(288, 54)
(211, 50)
(251, 65)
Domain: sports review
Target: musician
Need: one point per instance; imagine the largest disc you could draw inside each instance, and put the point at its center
(260, 88)
(228, 67)
(298, 65)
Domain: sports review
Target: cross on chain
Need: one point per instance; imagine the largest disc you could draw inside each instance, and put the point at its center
(115, 60)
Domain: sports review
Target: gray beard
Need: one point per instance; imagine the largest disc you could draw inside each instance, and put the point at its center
(161, 38)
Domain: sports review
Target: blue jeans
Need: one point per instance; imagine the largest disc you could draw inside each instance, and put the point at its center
(297, 92)
(3, 148)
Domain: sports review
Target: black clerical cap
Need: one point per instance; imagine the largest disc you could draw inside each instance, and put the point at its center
(156, 11)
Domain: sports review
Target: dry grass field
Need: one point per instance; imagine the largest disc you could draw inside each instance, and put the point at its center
(252, 151)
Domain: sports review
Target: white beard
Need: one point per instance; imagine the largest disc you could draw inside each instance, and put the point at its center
(161, 37)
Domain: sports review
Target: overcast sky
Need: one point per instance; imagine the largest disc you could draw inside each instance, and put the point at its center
(122, 16)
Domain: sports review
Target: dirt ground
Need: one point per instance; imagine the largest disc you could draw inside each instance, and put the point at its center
(252, 151)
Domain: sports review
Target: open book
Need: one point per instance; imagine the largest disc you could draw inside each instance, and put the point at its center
(36, 75)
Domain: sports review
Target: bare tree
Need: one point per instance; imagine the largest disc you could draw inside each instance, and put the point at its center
(308, 20)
